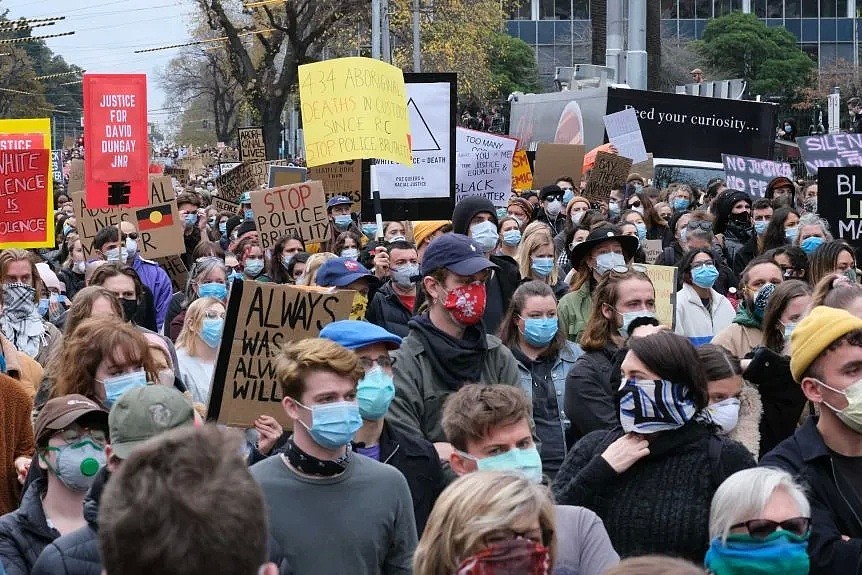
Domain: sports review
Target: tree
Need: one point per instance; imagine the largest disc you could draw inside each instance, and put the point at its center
(767, 58)
(513, 66)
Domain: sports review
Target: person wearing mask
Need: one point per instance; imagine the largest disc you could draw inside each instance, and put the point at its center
(759, 522)
(124, 282)
(312, 267)
(521, 210)
(425, 231)
(193, 224)
(448, 345)
(680, 198)
(633, 218)
(393, 304)
(340, 220)
(74, 266)
(283, 252)
(296, 267)
(252, 260)
(70, 433)
(761, 214)
(394, 231)
(733, 221)
(131, 422)
(667, 448)
(346, 274)
(603, 250)
(792, 261)
(781, 191)
(672, 254)
(807, 200)
(641, 203)
(475, 217)
(150, 273)
(575, 210)
(510, 237)
(198, 344)
(701, 312)
(207, 278)
(836, 256)
(531, 330)
(401, 448)
(490, 429)
(757, 282)
(537, 261)
(621, 297)
(782, 229)
(347, 246)
(552, 209)
(813, 231)
(318, 380)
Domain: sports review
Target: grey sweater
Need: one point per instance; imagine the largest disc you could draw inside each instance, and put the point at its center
(359, 522)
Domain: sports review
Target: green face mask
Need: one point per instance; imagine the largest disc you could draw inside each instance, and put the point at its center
(780, 552)
(526, 461)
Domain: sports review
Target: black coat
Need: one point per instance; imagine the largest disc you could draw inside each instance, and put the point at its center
(24, 533)
(836, 509)
(502, 285)
(387, 311)
(590, 396)
(744, 255)
(73, 282)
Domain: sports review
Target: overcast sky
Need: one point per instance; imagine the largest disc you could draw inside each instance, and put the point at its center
(108, 32)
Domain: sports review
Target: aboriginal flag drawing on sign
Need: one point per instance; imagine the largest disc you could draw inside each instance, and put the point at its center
(155, 217)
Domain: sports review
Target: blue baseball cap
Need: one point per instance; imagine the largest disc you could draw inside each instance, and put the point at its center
(245, 198)
(341, 272)
(353, 334)
(338, 201)
(457, 253)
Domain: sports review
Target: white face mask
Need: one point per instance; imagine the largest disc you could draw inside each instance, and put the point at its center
(577, 217)
(554, 208)
(725, 414)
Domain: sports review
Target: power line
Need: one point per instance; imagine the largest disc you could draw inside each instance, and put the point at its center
(33, 38)
(210, 41)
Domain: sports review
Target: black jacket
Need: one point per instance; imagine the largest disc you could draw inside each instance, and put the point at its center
(502, 286)
(590, 396)
(745, 254)
(24, 533)
(74, 282)
(78, 552)
(387, 311)
(836, 510)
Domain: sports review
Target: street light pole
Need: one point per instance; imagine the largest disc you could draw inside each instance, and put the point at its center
(417, 49)
(375, 29)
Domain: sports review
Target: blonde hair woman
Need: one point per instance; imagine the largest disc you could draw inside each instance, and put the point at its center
(309, 276)
(197, 345)
(489, 518)
(537, 260)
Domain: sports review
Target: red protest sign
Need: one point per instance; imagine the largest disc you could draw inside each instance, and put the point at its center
(26, 202)
(115, 129)
(34, 141)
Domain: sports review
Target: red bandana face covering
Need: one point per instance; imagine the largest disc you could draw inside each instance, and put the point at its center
(467, 303)
(512, 557)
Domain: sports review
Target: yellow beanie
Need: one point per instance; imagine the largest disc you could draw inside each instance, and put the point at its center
(423, 230)
(815, 333)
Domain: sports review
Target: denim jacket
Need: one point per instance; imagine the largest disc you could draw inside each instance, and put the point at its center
(565, 361)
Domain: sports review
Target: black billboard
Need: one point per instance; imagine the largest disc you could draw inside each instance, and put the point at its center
(839, 202)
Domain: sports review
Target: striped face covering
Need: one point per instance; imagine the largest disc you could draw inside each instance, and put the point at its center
(648, 406)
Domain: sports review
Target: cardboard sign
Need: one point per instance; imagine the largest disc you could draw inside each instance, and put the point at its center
(664, 282)
(698, 127)
(115, 108)
(484, 166)
(252, 147)
(522, 174)
(832, 150)
(26, 199)
(223, 205)
(554, 161)
(295, 209)
(194, 165)
(181, 174)
(76, 177)
(261, 317)
(341, 179)
(244, 178)
(286, 175)
(176, 270)
(610, 171)
(652, 250)
(354, 108)
(645, 169)
(160, 230)
(752, 175)
(839, 201)
(624, 133)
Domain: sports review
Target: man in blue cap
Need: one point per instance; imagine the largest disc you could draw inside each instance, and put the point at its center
(404, 450)
(447, 346)
(340, 220)
(347, 274)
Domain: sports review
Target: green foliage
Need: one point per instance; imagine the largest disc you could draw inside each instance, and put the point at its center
(767, 58)
(513, 66)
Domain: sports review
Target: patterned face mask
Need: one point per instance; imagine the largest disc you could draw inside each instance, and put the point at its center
(467, 303)
(648, 406)
(514, 556)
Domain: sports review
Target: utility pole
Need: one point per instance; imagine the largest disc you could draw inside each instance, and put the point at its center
(375, 29)
(417, 49)
(615, 49)
(384, 32)
(636, 57)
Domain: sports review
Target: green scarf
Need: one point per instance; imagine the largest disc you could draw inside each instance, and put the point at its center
(745, 318)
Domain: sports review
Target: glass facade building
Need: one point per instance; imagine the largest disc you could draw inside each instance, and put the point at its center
(559, 30)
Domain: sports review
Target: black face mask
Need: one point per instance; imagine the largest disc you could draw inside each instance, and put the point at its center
(311, 465)
(130, 308)
(742, 218)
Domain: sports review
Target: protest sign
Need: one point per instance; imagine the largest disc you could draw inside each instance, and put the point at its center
(432, 108)
(664, 282)
(296, 209)
(354, 108)
(286, 175)
(839, 202)
(830, 150)
(608, 173)
(752, 175)
(645, 169)
(522, 175)
(194, 165)
(115, 129)
(484, 166)
(252, 147)
(26, 199)
(181, 174)
(341, 179)
(244, 178)
(25, 134)
(76, 176)
(624, 133)
(698, 127)
(554, 161)
(176, 270)
(57, 166)
(223, 205)
(652, 250)
(260, 318)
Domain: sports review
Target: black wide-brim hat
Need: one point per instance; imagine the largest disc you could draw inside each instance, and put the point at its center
(597, 237)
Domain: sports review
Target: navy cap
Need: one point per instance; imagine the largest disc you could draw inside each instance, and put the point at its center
(341, 272)
(338, 201)
(457, 253)
(353, 334)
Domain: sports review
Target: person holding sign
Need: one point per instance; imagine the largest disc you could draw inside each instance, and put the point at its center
(371, 528)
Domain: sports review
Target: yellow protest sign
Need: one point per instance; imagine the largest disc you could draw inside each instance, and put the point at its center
(522, 175)
(354, 108)
(664, 281)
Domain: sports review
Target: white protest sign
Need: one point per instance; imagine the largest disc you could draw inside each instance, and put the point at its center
(484, 166)
(624, 133)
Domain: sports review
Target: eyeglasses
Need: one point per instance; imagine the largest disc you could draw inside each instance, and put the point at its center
(635, 204)
(564, 188)
(213, 314)
(763, 528)
(698, 265)
(384, 361)
(699, 224)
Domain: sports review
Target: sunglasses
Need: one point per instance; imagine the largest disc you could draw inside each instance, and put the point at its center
(133, 235)
(763, 528)
(700, 224)
(553, 198)
(635, 204)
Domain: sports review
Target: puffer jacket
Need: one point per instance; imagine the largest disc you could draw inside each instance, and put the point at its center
(78, 552)
(387, 311)
(24, 533)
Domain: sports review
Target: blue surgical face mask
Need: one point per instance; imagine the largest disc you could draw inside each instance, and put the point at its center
(512, 238)
(369, 229)
(525, 461)
(286, 259)
(350, 254)
(211, 331)
(741, 554)
(641, 227)
(542, 267)
(67, 229)
(222, 228)
(680, 204)
(540, 331)
(42, 308)
(343, 221)
(704, 276)
(760, 227)
(374, 394)
(117, 385)
(788, 330)
(790, 234)
(333, 425)
(191, 219)
(236, 275)
(485, 234)
(253, 267)
(606, 262)
(213, 289)
(808, 245)
(502, 213)
(248, 214)
(568, 195)
(614, 208)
